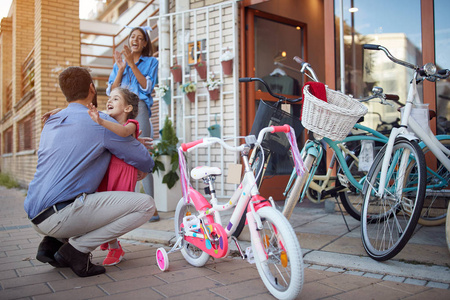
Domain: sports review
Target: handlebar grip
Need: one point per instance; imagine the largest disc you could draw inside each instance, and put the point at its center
(187, 146)
(371, 47)
(443, 72)
(246, 79)
(299, 60)
(285, 128)
(392, 97)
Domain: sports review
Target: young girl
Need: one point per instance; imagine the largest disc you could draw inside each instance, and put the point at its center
(120, 176)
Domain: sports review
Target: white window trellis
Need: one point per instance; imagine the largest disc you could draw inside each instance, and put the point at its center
(213, 29)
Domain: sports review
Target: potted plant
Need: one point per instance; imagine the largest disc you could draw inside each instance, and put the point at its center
(213, 86)
(189, 89)
(163, 92)
(226, 59)
(166, 178)
(201, 68)
(176, 73)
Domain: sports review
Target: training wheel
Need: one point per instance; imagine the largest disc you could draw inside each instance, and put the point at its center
(162, 259)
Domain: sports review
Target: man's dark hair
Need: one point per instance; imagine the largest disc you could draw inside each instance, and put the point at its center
(74, 83)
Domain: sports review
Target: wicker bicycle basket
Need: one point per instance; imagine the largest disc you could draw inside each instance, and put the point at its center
(333, 118)
(271, 114)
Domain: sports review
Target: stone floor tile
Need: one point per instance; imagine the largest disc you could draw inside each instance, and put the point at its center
(235, 276)
(188, 286)
(25, 291)
(181, 275)
(318, 290)
(241, 289)
(73, 294)
(434, 294)
(131, 284)
(138, 293)
(78, 282)
(27, 280)
(346, 282)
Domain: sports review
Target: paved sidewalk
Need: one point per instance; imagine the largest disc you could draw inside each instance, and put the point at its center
(336, 264)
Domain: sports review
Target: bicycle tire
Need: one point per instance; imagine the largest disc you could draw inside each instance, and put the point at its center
(436, 200)
(191, 254)
(388, 223)
(282, 273)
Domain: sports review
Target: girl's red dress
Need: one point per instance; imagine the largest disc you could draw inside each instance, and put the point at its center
(120, 176)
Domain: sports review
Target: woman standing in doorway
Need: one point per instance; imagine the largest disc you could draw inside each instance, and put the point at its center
(138, 71)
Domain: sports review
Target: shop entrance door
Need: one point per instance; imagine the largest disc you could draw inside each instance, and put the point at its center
(271, 43)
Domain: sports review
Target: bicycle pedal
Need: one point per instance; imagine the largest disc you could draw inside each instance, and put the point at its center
(249, 255)
(191, 223)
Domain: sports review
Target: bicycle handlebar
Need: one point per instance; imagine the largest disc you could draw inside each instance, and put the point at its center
(204, 142)
(427, 71)
(280, 97)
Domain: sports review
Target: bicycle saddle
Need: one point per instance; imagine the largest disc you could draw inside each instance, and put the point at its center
(204, 171)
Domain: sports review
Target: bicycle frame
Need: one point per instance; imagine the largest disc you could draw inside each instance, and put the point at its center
(315, 149)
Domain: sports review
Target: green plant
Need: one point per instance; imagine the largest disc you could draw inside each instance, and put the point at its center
(8, 181)
(167, 146)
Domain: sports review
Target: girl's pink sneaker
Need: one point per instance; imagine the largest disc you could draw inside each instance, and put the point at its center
(104, 246)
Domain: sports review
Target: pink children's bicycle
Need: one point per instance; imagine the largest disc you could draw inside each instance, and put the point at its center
(274, 246)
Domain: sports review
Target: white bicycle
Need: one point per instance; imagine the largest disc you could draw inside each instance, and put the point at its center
(396, 184)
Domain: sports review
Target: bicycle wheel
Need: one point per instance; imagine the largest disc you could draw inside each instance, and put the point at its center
(437, 195)
(282, 272)
(352, 199)
(388, 222)
(192, 254)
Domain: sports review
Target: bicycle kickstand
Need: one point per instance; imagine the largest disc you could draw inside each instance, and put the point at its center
(340, 209)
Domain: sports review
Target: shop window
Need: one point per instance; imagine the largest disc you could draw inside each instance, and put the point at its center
(26, 134)
(369, 22)
(442, 42)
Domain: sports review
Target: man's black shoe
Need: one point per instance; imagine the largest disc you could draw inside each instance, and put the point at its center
(47, 249)
(79, 262)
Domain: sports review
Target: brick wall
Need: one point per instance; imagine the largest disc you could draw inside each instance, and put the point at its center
(52, 30)
(5, 60)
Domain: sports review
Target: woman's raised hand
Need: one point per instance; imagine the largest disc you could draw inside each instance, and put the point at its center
(128, 55)
(119, 61)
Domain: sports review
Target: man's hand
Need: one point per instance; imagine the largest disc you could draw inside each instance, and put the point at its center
(93, 113)
(47, 115)
(146, 141)
(141, 175)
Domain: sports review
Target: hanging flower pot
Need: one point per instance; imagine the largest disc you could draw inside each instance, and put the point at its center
(226, 59)
(189, 89)
(201, 69)
(163, 92)
(227, 67)
(176, 73)
(167, 97)
(191, 96)
(213, 86)
(214, 94)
